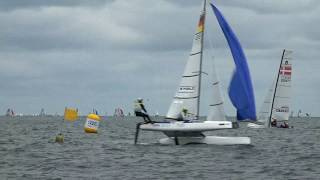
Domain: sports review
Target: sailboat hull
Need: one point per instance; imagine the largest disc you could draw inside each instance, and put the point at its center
(188, 127)
(255, 126)
(216, 140)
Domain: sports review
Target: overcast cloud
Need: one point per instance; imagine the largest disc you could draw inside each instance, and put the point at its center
(104, 54)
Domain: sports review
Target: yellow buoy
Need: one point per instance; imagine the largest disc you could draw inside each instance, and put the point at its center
(59, 138)
(92, 123)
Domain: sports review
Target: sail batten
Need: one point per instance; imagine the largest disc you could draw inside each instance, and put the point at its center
(186, 97)
(218, 104)
(191, 76)
(195, 53)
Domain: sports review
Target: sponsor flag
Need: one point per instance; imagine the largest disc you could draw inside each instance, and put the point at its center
(201, 23)
(285, 70)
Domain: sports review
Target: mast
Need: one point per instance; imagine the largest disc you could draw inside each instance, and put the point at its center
(275, 90)
(203, 15)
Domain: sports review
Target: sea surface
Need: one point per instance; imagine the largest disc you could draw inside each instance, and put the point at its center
(28, 151)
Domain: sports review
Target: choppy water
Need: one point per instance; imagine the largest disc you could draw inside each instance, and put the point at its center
(28, 151)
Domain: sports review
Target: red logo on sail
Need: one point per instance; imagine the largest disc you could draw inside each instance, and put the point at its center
(285, 70)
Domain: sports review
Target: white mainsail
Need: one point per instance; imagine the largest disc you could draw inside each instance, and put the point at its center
(188, 93)
(281, 99)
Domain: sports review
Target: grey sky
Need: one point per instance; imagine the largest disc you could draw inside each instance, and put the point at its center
(104, 54)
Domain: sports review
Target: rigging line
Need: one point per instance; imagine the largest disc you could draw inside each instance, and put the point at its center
(186, 97)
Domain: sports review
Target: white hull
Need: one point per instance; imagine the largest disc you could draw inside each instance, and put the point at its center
(188, 127)
(216, 140)
(256, 126)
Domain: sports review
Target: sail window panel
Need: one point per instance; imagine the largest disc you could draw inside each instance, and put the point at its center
(177, 105)
(186, 97)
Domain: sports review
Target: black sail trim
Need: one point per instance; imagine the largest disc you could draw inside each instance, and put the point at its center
(192, 75)
(186, 97)
(216, 104)
(195, 53)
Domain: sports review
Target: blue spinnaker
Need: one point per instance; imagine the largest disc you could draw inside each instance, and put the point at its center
(240, 88)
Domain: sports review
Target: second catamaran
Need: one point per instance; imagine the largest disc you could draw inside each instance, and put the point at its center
(275, 109)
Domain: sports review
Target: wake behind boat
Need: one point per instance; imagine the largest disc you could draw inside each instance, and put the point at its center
(276, 106)
(182, 125)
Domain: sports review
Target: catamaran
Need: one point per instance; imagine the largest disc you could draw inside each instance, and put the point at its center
(182, 124)
(275, 107)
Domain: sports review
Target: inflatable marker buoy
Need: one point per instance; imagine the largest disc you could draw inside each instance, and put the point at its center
(59, 138)
(92, 123)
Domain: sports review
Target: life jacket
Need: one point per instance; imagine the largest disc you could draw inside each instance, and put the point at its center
(137, 106)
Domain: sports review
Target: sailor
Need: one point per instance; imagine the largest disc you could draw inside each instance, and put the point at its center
(183, 115)
(284, 125)
(274, 122)
(140, 110)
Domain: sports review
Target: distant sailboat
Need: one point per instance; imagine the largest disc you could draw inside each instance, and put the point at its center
(182, 124)
(42, 112)
(10, 113)
(276, 105)
(118, 114)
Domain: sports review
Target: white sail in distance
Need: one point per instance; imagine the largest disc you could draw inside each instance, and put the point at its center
(187, 96)
(282, 94)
